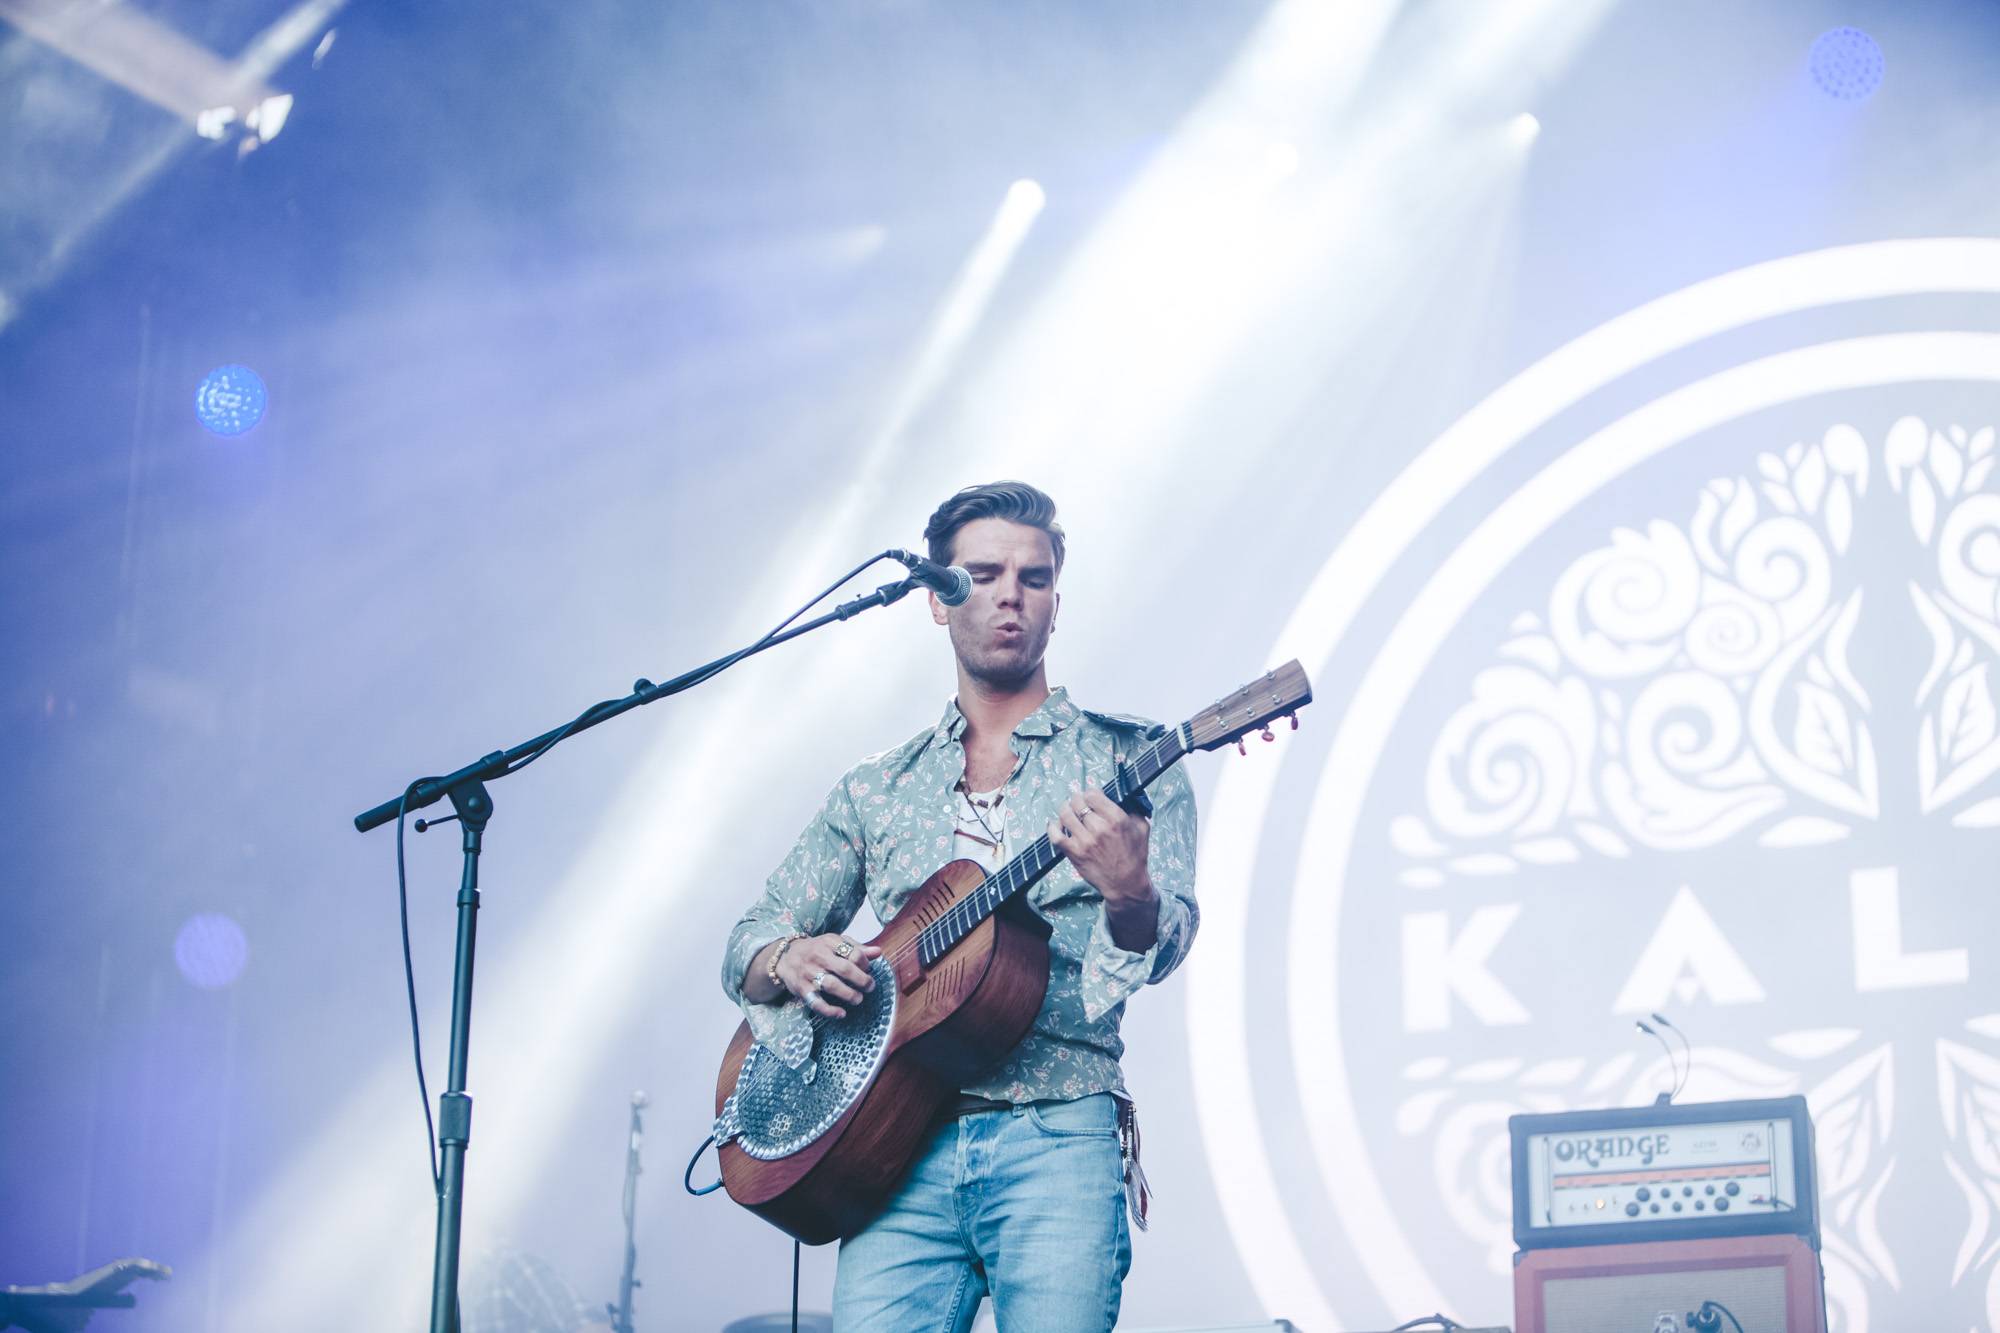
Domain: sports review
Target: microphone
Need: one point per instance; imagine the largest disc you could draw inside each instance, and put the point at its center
(952, 585)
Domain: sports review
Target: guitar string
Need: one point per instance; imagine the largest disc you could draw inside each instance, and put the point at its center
(964, 907)
(1151, 756)
(937, 930)
(917, 941)
(818, 1020)
(962, 911)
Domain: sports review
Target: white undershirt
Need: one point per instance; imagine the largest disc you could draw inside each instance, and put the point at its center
(974, 837)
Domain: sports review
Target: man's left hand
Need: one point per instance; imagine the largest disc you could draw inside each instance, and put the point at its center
(1107, 845)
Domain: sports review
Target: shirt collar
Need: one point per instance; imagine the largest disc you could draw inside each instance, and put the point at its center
(1055, 713)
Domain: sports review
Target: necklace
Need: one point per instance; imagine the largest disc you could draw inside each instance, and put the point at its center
(977, 807)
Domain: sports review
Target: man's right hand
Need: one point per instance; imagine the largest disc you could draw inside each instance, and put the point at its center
(825, 971)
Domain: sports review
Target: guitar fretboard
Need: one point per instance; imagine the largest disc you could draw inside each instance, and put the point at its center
(1041, 856)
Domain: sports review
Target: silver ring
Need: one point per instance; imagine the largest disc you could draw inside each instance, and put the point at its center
(843, 949)
(819, 981)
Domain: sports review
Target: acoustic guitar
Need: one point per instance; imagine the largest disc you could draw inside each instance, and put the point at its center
(817, 1150)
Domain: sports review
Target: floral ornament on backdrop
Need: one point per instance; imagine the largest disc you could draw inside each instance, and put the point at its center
(1686, 683)
(1690, 684)
(1969, 1095)
(1943, 476)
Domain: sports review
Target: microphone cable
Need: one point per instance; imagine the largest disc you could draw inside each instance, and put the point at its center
(1688, 1048)
(1673, 1061)
(403, 882)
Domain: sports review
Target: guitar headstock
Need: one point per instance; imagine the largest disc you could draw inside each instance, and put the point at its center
(1284, 690)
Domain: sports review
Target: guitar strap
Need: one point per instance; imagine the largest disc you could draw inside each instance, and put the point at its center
(1138, 1194)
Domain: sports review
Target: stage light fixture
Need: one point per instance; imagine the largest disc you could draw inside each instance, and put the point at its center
(210, 950)
(1524, 129)
(230, 400)
(1281, 161)
(1847, 64)
(1025, 198)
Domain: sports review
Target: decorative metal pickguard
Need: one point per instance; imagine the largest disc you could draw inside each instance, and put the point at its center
(775, 1111)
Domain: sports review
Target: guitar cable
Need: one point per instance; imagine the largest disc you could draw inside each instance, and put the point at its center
(687, 1176)
(687, 1182)
(1708, 1319)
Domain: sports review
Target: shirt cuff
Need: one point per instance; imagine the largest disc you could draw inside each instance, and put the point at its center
(1112, 975)
(782, 1026)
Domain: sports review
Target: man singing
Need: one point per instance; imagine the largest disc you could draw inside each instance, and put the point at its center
(1019, 1193)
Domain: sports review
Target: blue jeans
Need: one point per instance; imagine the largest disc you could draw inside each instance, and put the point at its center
(1026, 1205)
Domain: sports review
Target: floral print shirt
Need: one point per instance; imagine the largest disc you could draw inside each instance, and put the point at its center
(890, 823)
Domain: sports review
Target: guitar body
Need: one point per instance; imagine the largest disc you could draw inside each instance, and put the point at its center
(954, 1020)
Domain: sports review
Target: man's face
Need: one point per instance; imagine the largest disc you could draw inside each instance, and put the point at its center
(1001, 632)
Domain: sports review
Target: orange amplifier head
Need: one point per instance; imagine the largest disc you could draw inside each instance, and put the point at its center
(1664, 1173)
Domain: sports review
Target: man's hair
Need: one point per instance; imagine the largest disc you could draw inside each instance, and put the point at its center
(1015, 501)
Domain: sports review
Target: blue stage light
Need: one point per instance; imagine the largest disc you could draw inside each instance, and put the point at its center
(210, 950)
(1846, 63)
(230, 400)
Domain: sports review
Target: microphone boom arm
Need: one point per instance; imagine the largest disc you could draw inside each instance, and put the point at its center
(502, 762)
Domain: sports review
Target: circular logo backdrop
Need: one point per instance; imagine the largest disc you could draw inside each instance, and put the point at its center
(1697, 717)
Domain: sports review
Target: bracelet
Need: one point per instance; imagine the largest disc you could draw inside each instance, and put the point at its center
(771, 968)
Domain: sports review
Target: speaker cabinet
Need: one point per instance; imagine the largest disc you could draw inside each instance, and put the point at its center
(1770, 1283)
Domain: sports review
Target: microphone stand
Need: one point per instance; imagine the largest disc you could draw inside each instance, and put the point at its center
(621, 1313)
(466, 789)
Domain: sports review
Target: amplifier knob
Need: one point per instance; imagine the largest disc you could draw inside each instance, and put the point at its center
(1631, 1210)
(1722, 1205)
(1732, 1189)
(1644, 1194)
(1677, 1205)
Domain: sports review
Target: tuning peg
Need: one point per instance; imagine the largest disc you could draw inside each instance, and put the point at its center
(1241, 748)
(1295, 720)
(1267, 734)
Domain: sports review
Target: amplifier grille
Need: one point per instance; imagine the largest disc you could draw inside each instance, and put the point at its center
(1770, 1283)
(1756, 1296)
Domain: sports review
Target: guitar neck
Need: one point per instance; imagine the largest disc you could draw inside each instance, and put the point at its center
(1041, 856)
